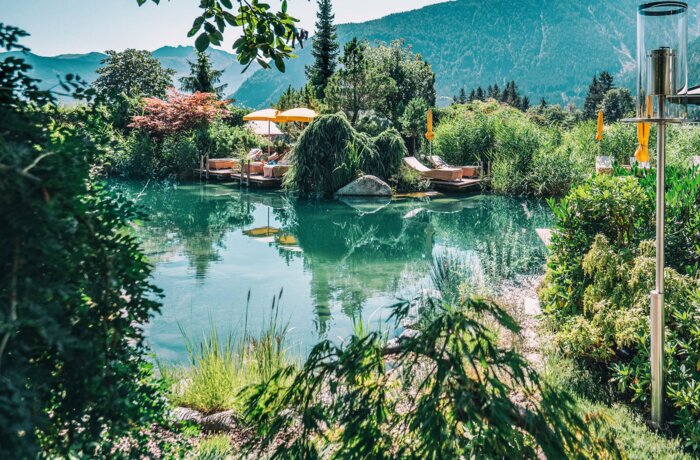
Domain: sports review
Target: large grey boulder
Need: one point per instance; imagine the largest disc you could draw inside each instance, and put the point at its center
(365, 186)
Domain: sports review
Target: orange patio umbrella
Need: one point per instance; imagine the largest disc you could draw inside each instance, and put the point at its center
(300, 114)
(268, 115)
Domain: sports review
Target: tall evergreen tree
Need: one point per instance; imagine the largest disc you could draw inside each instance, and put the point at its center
(525, 103)
(472, 96)
(496, 92)
(606, 82)
(600, 85)
(325, 49)
(543, 103)
(480, 94)
(462, 96)
(203, 77)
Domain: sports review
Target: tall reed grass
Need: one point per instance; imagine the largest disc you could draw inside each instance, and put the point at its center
(220, 368)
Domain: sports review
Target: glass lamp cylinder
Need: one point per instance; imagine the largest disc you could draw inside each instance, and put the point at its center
(662, 60)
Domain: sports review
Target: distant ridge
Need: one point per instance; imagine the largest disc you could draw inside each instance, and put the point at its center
(551, 48)
(47, 68)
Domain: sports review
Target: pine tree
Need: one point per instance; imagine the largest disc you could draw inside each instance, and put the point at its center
(489, 92)
(600, 85)
(525, 103)
(480, 94)
(203, 77)
(462, 96)
(497, 92)
(472, 95)
(606, 82)
(543, 103)
(325, 49)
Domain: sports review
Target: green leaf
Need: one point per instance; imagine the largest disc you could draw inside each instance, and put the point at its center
(279, 63)
(231, 19)
(202, 42)
(263, 63)
(214, 40)
(284, 6)
(220, 24)
(140, 2)
(227, 4)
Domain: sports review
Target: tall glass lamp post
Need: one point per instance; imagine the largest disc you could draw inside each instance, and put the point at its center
(662, 86)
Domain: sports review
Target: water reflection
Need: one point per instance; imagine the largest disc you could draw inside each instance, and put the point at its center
(214, 244)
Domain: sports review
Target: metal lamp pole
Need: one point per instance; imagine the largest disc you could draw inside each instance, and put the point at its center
(657, 296)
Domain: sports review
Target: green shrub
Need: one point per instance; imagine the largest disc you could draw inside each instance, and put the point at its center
(600, 273)
(628, 428)
(221, 140)
(464, 139)
(409, 180)
(75, 289)
(387, 155)
(347, 403)
(216, 447)
(517, 142)
(330, 154)
(179, 155)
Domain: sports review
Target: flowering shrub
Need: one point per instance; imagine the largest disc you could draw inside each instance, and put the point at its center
(179, 112)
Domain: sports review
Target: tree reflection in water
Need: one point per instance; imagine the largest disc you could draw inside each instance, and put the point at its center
(330, 256)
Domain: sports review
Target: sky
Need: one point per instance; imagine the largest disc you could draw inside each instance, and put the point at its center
(80, 26)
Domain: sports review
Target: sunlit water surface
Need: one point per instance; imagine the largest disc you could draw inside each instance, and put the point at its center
(222, 254)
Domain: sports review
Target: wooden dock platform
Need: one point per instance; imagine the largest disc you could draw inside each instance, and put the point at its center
(257, 180)
(462, 185)
(219, 174)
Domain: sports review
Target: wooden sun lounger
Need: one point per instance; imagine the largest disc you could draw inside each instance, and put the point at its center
(467, 171)
(445, 174)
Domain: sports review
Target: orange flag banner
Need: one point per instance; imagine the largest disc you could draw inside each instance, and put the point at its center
(599, 132)
(643, 129)
(430, 135)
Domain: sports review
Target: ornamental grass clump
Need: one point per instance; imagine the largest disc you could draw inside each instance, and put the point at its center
(220, 368)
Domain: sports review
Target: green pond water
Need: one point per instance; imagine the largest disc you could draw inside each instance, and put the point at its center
(221, 254)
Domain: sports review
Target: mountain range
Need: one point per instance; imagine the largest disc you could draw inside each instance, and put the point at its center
(47, 69)
(551, 48)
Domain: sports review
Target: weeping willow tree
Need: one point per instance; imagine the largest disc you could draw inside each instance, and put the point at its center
(389, 150)
(330, 154)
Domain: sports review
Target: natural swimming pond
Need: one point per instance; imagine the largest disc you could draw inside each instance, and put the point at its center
(221, 255)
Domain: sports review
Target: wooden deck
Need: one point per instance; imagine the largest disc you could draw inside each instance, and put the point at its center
(257, 180)
(462, 185)
(219, 174)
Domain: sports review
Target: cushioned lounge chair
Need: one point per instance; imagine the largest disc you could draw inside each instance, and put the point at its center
(214, 164)
(446, 174)
(467, 171)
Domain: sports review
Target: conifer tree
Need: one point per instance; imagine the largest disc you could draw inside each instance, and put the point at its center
(472, 96)
(525, 104)
(600, 85)
(480, 93)
(203, 77)
(489, 92)
(462, 96)
(325, 49)
(497, 92)
(543, 103)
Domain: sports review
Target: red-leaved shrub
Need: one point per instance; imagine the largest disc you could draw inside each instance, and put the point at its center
(179, 112)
